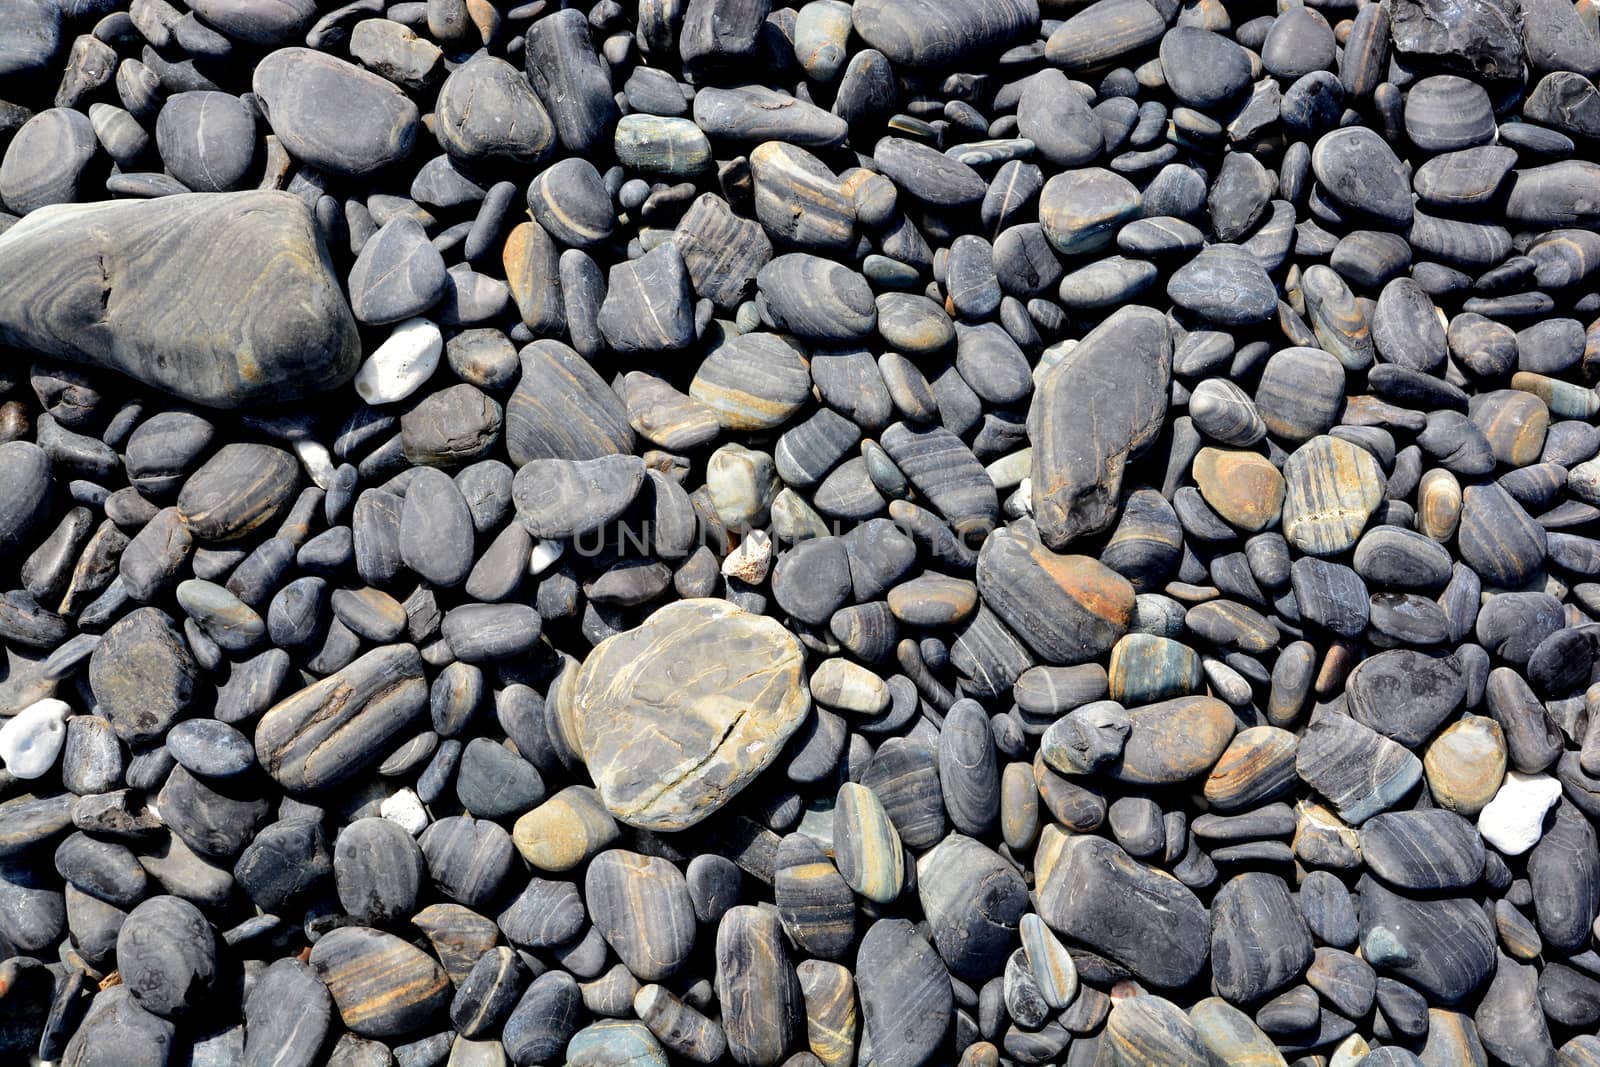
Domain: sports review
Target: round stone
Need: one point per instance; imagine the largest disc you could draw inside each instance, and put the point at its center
(702, 694)
(1081, 210)
(1226, 286)
(1358, 171)
(167, 956)
(46, 159)
(374, 124)
(1333, 487)
(207, 140)
(565, 830)
(1446, 113)
(240, 489)
(641, 906)
(378, 871)
(487, 111)
(1466, 764)
(1244, 487)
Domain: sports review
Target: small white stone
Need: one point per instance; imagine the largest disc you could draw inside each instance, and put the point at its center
(405, 809)
(545, 552)
(1513, 821)
(32, 739)
(318, 462)
(751, 560)
(402, 363)
(1020, 502)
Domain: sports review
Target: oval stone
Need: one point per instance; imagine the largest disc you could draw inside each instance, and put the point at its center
(678, 715)
(383, 986)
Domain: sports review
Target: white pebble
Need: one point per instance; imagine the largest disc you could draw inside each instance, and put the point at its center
(544, 555)
(1020, 502)
(402, 363)
(32, 739)
(317, 461)
(405, 809)
(1513, 821)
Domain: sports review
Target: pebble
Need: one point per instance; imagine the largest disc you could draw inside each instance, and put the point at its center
(375, 125)
(1332, 489)
(487, 111)
(272, 1031)
(563, 831)
(302, 337)
(382, 986)
(207, 140)
(141, 1038)
(1425, 850)
(647, 307)
(1094, 399)
(641, 906)
(905, 994)
(752, 381)
(815, 904)
(1250, 913)
(31, 741)
(378, 870)
(758, 984)
(1512, 821)
(398, 275)
(1069, 609)
(867, 849)
(167, 956)
(398, 367)
(326, 732)
(719, 728)
(1225, 286)
(1359, 770)
(1094, 879)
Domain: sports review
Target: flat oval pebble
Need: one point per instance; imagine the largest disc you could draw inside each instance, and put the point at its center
(736, 701)
(930, 35)
(237, 491)
(752, 381)
(167, 954)
(1358, 170)
(377, 124)
(382, 986)
(641, 906)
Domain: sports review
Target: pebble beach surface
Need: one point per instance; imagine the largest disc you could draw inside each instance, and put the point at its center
(913, 532)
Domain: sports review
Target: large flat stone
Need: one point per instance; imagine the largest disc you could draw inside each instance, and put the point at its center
(678, 715)
(223, 299)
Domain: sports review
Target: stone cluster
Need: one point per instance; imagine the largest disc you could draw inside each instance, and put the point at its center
(913, 532)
